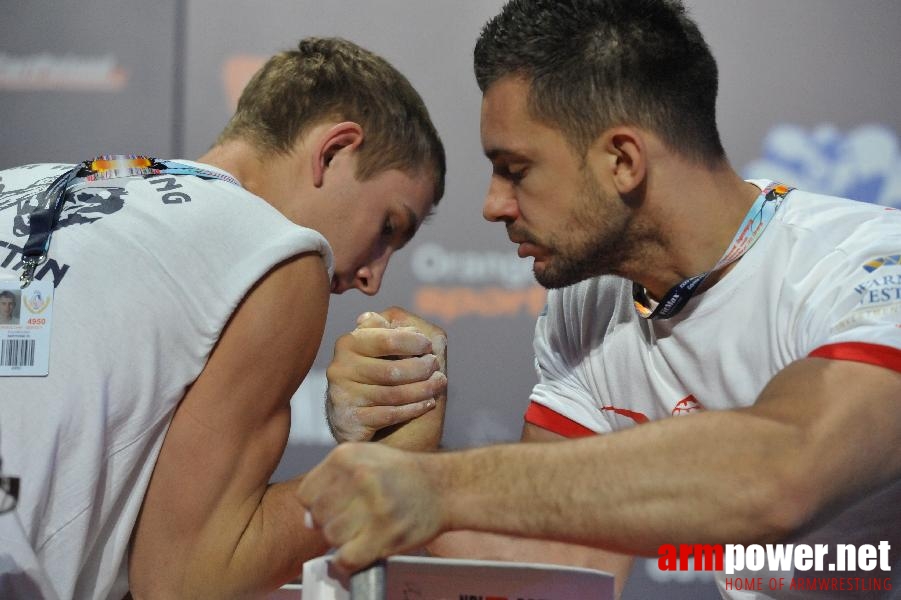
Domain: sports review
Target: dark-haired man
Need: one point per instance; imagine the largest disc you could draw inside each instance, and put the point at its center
(187, 310)
(771, 316)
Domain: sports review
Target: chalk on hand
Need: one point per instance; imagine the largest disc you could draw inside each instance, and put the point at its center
(366, 316)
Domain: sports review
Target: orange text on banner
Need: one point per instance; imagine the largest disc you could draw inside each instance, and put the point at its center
(450, 303)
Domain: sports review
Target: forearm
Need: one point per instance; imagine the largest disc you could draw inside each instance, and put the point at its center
(810, 446)
(628, 492)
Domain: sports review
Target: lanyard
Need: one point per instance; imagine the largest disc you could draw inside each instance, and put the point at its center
(43, 221)
(759, 216)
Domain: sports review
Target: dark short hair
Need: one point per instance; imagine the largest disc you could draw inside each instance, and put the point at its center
(594, 64)
(7, 294)
(328, 78)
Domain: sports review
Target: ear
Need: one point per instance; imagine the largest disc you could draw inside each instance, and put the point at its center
(341, 136)
(626, 153)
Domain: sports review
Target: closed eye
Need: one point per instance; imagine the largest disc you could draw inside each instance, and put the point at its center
(388, 228)
(512, 174)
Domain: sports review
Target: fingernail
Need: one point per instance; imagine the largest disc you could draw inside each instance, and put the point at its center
(430, 403)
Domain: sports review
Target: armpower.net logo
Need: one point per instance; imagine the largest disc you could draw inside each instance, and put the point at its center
(793, 567)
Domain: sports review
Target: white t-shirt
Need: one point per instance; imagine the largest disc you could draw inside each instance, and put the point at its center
(147, 273)
(824, 280)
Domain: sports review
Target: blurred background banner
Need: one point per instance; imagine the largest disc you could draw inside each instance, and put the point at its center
(809, 94)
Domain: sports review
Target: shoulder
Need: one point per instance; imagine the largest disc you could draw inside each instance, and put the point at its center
(836, 222)
(843, 265)
(22, 178)
(821, 240)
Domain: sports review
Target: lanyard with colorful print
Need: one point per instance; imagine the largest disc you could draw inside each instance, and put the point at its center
(762, 212)
(43, 221)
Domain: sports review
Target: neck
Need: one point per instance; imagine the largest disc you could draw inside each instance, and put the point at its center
(264, 175)
(693, 224)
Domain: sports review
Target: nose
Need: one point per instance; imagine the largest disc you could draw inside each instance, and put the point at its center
(500, 202)
(369, 278)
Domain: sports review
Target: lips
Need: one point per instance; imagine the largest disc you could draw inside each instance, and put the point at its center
(527, 249)
(527, 244)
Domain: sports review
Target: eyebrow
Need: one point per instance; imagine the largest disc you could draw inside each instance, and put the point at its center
(494, 154)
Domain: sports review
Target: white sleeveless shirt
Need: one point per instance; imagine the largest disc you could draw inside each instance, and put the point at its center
(147, 273)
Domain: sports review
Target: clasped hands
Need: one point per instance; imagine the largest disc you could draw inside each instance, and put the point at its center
(387, 383)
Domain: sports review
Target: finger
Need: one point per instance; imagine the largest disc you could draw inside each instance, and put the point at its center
(378, 417)
(372, 319)
(400, 317)
(378, 395)
(439, 349)
(316, 489)
(383, 372)
(343, 527)
(380, 341)
(358, 554)
(372, 543)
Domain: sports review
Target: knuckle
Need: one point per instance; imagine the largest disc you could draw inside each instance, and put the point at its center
(437, 383)
(333, 372)
(420, 391)
(363, 480)
(344, 341)
(405, 395)
(384, 396)
(386, 417)
(393, 345)
(332, 534)
(351, 558)
(344, 454)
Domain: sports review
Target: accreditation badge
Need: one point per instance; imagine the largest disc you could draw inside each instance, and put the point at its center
(25, 316)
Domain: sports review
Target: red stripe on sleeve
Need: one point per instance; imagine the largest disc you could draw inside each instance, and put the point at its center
(874, 354)
(544, 417)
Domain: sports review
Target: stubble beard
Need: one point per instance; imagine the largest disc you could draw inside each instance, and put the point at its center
(596, 241)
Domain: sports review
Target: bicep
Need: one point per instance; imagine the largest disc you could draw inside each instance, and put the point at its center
(844, 415)
(229, 430)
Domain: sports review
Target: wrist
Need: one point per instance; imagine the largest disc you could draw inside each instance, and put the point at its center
(453, 492)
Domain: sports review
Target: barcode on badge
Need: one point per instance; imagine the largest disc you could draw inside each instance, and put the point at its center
(17, 353)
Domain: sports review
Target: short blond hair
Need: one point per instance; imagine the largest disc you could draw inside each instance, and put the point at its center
(327, 78)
